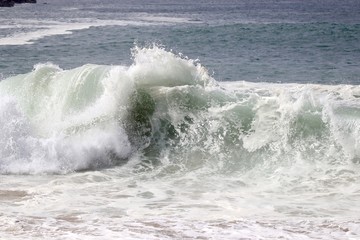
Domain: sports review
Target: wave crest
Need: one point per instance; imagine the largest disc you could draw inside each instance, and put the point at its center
(169, 112)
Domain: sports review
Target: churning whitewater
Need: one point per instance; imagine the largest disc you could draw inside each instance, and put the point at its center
(167, 136)
(59, 121)
(105, 133)
(168, 112)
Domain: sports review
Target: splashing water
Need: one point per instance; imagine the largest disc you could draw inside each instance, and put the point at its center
(287, 149)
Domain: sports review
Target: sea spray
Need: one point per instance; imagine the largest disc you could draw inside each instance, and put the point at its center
(170, 113)
(75, 118)
(160, 143)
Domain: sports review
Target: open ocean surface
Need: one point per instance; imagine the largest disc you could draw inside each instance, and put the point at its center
(170, 119)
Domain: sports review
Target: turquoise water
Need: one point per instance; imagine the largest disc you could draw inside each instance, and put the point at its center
(166, 120)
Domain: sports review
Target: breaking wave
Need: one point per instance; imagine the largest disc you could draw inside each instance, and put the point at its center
(167, 112)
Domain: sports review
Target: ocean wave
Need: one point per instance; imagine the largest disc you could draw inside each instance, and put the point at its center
(169, 112)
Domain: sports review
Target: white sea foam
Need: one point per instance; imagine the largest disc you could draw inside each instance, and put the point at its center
(115, 205)
(58, 121)
(41, 29)
(219, 160)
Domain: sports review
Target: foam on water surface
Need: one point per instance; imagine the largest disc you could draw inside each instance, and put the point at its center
(28, 31)
(151, 146)
(160, 149)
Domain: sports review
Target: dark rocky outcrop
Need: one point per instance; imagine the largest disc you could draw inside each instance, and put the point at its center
(6, 3)
(11, 3)
(24, 1)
